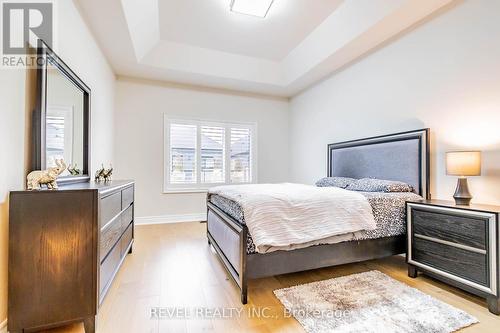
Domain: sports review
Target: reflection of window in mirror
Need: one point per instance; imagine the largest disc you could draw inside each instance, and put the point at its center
(64, 120)
(59, 133)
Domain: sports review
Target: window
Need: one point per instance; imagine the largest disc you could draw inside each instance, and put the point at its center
(213, 141)
(182, 154)
(55, 137)
(201, 154)
(59, 133)
(240, 155)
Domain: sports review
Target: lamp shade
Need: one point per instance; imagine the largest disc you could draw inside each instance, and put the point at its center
(463, 163)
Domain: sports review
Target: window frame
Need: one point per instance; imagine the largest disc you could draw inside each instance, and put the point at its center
(198, 186)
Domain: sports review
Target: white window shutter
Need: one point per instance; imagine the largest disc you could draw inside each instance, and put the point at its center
(182, 153)
(212, 154)
(241, 166)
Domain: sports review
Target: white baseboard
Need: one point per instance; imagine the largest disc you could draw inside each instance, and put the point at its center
(3, 326)
(146, 220)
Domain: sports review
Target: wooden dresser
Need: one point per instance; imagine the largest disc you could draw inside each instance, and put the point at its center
(65, 247)
(456, 244)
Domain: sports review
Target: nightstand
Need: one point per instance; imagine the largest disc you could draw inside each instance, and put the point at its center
(457, 245)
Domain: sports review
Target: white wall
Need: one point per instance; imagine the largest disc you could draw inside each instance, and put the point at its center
(444, 75)
(140, 106)
(12, 100)
(79, 50)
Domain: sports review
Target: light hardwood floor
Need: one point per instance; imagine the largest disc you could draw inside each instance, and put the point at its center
(173, 266)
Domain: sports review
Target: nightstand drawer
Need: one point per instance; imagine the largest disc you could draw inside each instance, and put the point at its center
(466, 264)
(451, 226)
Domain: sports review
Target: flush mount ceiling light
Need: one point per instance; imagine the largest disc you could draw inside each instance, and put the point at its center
(258, 8)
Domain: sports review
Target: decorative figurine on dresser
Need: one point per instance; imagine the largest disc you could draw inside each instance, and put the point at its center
(73, 170)
(103, 174)
(48, 177)
(456, 244)
(66, 244)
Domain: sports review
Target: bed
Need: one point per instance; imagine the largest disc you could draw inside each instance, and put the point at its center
(400, 157)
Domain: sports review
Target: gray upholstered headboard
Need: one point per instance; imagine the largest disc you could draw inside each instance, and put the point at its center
(401, 156)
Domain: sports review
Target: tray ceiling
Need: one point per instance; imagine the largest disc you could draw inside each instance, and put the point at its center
(201, 42)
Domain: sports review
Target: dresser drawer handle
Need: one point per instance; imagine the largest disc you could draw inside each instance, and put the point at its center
(460, 246)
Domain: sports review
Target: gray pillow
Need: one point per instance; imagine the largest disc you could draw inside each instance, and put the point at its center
(379, 185)
(341, 182)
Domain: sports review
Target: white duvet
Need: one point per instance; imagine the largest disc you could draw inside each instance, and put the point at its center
(289, 216)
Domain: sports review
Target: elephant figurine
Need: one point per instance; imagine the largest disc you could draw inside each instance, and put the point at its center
(73, 170)
(45, 177)
(99, 174)
(107, 173)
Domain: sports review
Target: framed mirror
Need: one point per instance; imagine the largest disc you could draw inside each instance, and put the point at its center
(61, 123)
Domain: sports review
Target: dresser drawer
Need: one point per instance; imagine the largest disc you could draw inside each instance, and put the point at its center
(452, 227)
(109, 236)
(126, 239)
(110, 207)
(469, 265)
(108, 267)
(127, 197)
(127, 217)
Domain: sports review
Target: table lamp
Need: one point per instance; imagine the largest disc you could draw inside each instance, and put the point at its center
(463, 164)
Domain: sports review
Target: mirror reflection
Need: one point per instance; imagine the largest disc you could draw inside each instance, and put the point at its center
(64, 122)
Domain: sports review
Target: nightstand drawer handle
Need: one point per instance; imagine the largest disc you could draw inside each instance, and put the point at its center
(460, 246)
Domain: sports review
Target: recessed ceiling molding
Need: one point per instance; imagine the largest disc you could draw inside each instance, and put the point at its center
(348, 22)
(191, 59)
(143, 24)
(303, 68)
(134, 46)
(258, 8)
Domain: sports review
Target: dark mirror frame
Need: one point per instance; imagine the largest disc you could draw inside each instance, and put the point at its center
(45, 55)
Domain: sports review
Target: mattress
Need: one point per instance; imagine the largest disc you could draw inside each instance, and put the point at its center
(388, 209)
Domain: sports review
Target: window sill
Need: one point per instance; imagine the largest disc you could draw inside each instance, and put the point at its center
(187, 190)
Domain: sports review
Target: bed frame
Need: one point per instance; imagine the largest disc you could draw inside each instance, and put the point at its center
(402, 156)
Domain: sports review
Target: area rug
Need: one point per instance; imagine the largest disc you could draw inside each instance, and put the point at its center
(369, 302)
